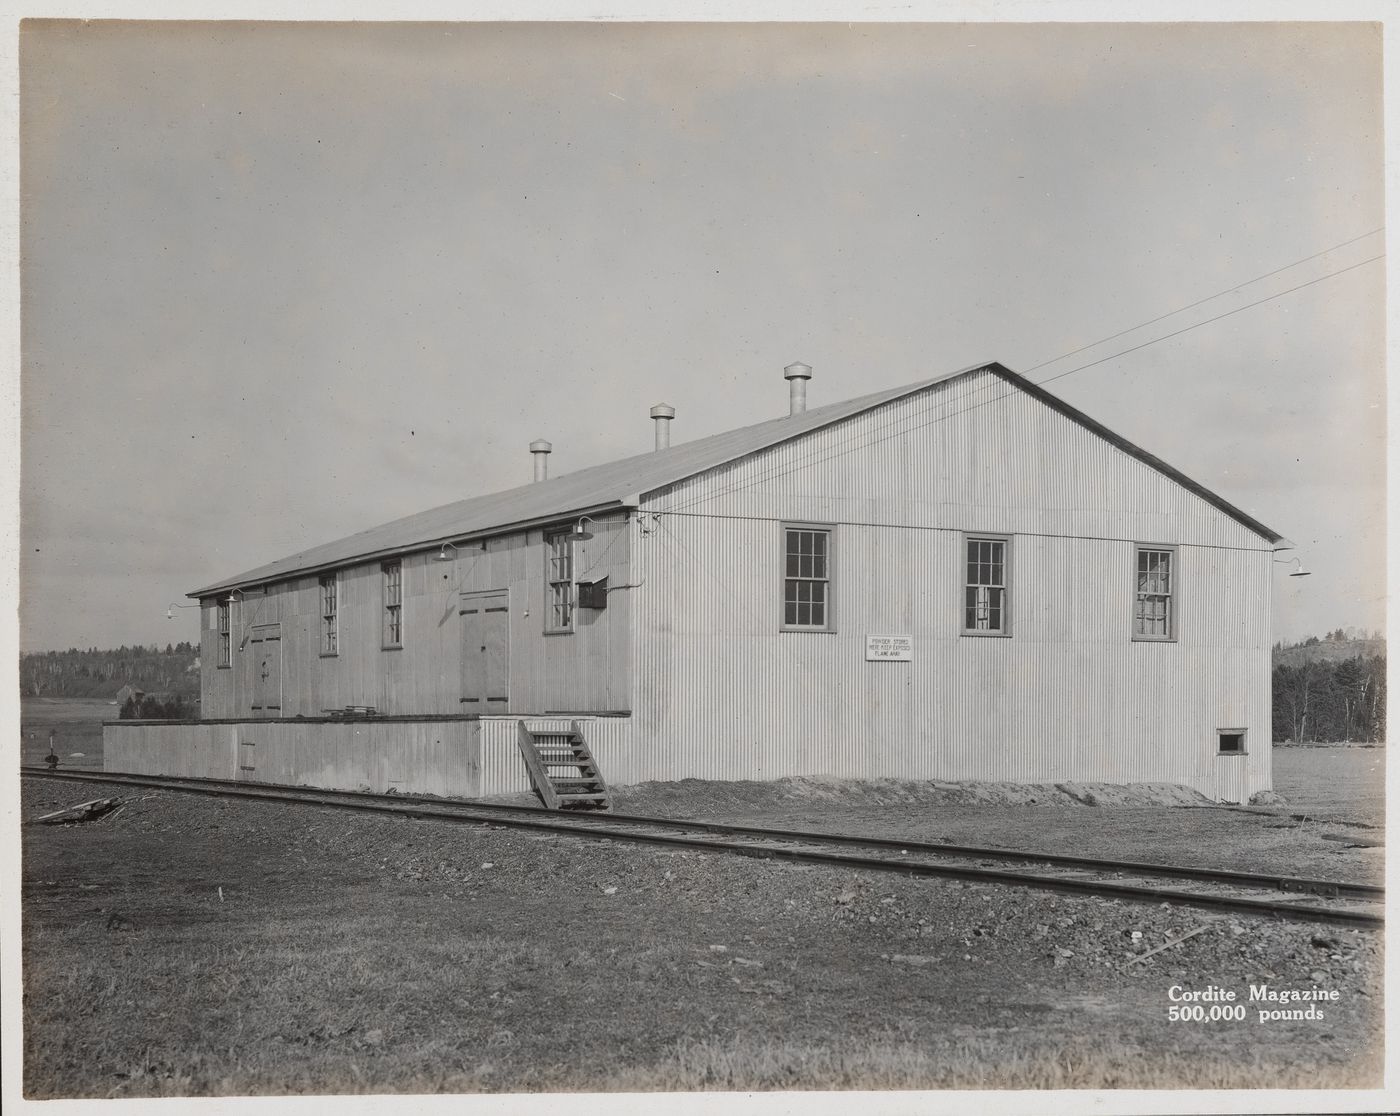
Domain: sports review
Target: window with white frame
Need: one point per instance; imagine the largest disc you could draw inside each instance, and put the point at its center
(393, 603)
(807, 569)
(225, 657)
(330, 636)
(985, 600)
(1154, 608)
(559, 574)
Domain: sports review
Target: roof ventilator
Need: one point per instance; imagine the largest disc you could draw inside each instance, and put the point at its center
(797, 376)
(662, 414)
(540, 451)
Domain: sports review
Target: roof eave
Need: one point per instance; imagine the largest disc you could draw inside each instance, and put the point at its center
(244, 581)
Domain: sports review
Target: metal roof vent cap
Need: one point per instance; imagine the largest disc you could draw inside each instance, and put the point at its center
(540, 451)
(797, 376)
(662, 414)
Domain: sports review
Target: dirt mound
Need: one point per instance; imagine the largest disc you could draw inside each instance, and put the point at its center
(698, 796)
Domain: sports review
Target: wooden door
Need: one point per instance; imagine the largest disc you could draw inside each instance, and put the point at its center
(266, 644)
(486, 651)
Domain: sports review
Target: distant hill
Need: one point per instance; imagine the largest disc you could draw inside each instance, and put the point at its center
(1327, 651)
(1330, 689)
(94, 673)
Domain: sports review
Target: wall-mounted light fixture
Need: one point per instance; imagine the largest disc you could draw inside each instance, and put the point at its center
(580, 533)
(231, 599)
(173, 605)
(1299, 572)
(442, 555)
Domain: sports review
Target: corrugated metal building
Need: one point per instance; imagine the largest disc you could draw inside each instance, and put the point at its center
(965, 578)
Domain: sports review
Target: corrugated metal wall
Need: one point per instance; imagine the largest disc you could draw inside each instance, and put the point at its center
(584, 670)
(202, 751)
(1069, 695)
(465, 758)
(611, 740)
(422, 757)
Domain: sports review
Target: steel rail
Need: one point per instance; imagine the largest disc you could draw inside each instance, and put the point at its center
(599, 826)
(1328, 888)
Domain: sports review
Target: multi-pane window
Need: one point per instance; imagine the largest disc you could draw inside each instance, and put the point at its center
(1153, 612)
(984, 590)
(225, 641)
(559, 573)
(393, 604)
(806, 577)
(330, 638)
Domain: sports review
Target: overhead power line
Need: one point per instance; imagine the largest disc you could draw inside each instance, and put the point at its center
(1207, 321)
(894, 428)
(1203, 301)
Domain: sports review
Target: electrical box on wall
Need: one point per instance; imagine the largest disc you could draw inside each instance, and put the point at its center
(593, 594)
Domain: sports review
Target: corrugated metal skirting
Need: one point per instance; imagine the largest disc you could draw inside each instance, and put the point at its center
(503, 770)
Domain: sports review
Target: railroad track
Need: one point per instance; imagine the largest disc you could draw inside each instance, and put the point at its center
(1351, 904)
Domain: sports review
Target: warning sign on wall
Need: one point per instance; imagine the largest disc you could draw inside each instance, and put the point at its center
(889, 648)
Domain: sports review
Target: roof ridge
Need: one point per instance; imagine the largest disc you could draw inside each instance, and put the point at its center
(609, 485)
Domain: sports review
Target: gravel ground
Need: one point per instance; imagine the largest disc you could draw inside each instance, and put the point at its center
(630, 967)
(1161, 824)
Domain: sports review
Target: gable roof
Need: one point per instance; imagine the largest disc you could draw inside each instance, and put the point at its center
(617, 484)
(572, 494)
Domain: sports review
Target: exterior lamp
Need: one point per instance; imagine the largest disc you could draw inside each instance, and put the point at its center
(1299, 572)
(231, 599)
(443, 556)
(580, 533)
(173, 605)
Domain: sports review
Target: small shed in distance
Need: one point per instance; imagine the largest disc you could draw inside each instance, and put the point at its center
(127, 693)
(963, 578)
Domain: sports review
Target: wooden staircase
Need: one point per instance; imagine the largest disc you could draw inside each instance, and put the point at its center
(563, 769)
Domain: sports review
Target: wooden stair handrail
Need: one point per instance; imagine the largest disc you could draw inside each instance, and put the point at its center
(538, 775)
(557, 794)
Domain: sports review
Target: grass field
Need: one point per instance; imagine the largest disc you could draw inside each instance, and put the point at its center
(76, 725)
(1333, 781)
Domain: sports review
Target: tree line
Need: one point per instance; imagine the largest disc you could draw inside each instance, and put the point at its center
(1321, 699)
(94, 673)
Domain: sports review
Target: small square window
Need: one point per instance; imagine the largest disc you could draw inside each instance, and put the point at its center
(1231, 742)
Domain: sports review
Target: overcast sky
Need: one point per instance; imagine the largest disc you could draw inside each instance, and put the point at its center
(283, 282)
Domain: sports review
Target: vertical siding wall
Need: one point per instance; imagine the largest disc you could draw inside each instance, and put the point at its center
(185, 750)
(611, 739)
(722, 693)
(418, 757)
(584, 670)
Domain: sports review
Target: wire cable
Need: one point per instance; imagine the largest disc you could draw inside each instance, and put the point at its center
(1207, 321)
(896, 428)
(1202, 301)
